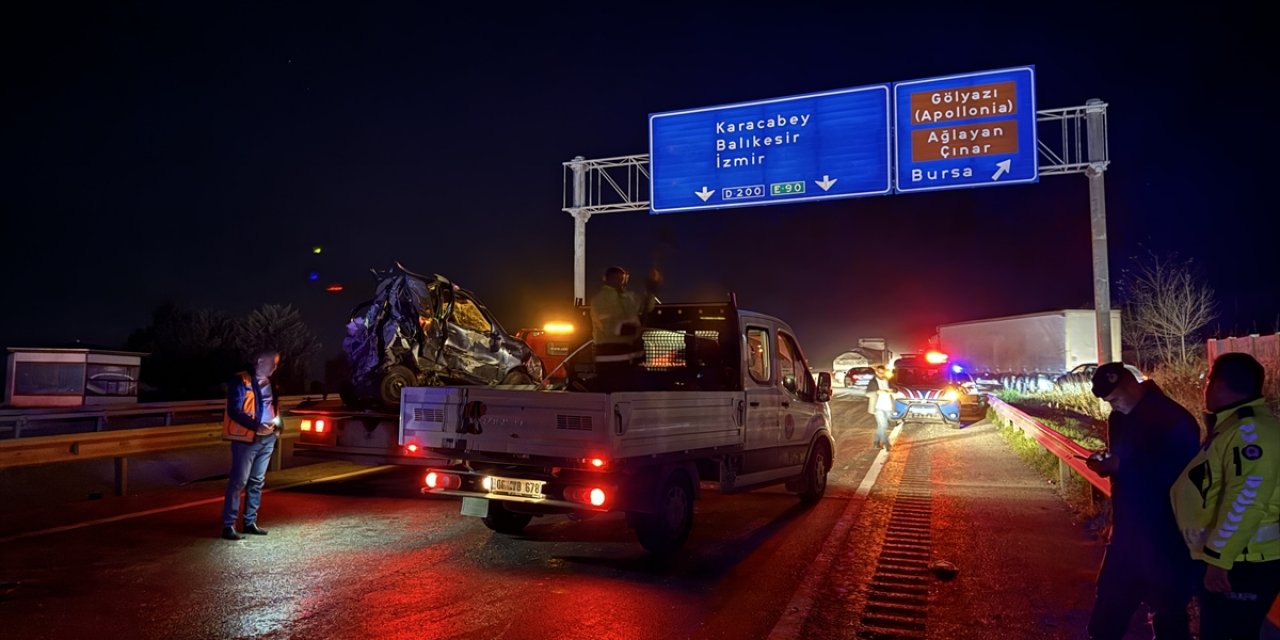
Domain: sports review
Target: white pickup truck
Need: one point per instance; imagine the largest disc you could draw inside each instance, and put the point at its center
(722, 396)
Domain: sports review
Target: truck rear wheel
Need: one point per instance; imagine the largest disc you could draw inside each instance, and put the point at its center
(814, 482)
(664, 531)
(504, 520)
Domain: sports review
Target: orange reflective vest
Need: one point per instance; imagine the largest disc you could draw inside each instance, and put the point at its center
(232, 430)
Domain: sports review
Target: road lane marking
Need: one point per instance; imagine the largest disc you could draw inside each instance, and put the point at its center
(197, 503)
(797, 610)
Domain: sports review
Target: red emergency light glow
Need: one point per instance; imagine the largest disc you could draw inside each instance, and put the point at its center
(413, 448)
(333, 288)
(935, 357)
(438, 480)
(597, 463)
(593, 496)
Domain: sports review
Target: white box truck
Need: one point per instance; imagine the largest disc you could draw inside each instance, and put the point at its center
(1053, 342)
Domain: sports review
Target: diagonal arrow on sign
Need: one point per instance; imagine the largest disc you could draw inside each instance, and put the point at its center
(704, 194)
(826, 182)
(1002, 168)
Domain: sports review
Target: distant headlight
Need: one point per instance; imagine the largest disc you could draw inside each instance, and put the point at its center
(950, 395)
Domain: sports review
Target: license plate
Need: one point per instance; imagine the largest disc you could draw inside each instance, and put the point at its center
(923, 410)
(522, 488)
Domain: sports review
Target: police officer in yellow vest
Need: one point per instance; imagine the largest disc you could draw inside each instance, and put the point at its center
(251, 422)
(1227, 502)
(615, 328)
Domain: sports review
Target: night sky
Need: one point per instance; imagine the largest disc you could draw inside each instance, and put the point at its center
(198, 153)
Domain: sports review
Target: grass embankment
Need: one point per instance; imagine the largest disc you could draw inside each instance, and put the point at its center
(1091, 508)
(1074, 412)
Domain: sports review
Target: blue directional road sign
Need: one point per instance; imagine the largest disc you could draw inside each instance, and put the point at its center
(969, 130)
(817, 146)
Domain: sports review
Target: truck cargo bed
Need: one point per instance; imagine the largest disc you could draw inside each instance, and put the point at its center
(567, 424)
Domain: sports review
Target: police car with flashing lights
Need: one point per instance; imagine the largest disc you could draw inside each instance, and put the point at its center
(929, 387)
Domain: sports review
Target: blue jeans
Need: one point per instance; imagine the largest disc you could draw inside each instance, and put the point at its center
(882, 429)
(249, 461)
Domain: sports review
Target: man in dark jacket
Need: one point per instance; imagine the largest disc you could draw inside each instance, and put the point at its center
(1150, 440)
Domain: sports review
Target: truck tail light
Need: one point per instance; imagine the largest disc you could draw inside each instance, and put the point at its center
(306, 425)
(412, 448)
(319, 426)
(597, 462)
(440, 480)
(593, 496)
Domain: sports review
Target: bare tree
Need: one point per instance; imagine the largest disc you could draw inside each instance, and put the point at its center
(1134, 336)
(1169, 302)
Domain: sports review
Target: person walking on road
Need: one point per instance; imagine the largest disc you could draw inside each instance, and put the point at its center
(615, 328)
(1150, 439)
(1227, 502)
(251, 422)
(880, 405)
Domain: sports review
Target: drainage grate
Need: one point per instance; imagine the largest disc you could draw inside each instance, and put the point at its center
(898, 595)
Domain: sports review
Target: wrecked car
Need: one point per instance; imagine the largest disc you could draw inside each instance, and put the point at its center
(421, 330)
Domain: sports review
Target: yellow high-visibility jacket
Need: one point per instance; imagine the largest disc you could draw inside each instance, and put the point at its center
(1227, 500)
(615, 315)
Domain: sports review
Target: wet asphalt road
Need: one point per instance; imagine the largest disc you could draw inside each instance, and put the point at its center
(368, 557)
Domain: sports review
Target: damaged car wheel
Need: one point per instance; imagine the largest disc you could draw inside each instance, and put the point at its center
(393, 383)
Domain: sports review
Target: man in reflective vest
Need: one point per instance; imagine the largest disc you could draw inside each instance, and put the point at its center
(615, 328)
(251, 422)
(1227, 502)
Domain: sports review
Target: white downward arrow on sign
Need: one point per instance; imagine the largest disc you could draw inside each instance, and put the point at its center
(826, 182)
(704, 194)
(1002, 168)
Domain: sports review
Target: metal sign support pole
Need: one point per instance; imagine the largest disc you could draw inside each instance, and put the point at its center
(580, 218)
(1095, 113)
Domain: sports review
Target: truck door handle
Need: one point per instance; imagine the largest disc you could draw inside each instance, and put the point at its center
(786, 404)
(755, 404)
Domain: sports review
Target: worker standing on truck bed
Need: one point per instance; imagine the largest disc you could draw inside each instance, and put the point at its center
(615, 325)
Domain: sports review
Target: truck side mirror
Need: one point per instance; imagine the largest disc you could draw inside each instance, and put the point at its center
(824, 386)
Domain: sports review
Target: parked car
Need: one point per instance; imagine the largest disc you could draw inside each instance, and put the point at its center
(425, 331)
(858, 378)
(1083, 374)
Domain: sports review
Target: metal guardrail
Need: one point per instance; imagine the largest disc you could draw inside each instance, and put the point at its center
(118, 443)
(1068, 452)
(110, 444)
(14, 421)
